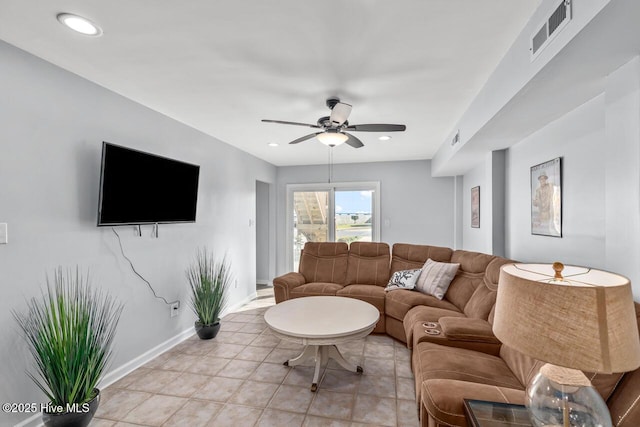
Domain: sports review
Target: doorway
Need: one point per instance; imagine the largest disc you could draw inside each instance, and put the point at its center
(263, 244)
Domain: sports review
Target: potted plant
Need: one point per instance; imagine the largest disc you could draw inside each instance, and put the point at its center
(209, 281)
(69, 331)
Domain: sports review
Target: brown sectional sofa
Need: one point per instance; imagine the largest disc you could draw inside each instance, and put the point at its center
(465, 360)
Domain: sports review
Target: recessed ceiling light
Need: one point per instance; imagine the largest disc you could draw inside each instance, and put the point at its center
(384, 138)
(273, 144)
(79, 24)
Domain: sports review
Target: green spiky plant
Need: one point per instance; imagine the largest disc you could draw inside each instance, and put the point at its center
(69, 331)
(209, 281)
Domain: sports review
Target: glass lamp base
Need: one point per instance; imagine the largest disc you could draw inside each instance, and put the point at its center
(564, 397)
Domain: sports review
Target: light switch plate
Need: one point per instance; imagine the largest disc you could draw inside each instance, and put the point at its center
(4, 238)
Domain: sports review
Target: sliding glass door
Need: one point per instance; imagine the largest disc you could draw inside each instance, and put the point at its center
(336, 212)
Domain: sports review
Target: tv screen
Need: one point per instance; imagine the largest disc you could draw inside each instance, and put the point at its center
(142, 188)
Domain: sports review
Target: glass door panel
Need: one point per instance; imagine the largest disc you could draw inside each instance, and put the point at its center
(310, 220)
(353, 215)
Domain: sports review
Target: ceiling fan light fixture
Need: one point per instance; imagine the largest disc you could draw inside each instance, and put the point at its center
(384, 138)
(332, 138)
(79, 24)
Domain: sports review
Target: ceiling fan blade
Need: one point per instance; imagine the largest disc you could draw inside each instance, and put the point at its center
(340, 113)
(353, 141)
(291, 123)
(376, 128)
(304, 138)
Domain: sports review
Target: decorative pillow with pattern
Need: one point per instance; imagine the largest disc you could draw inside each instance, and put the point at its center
(436, 278)
(403, 279)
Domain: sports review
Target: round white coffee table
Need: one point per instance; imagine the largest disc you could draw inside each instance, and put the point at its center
(320, 323)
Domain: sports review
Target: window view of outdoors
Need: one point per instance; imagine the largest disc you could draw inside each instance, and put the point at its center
(353, 218)
(310, 220)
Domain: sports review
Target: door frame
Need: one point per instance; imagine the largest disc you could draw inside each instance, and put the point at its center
(331, 188)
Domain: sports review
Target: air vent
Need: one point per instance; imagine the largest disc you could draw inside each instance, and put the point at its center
(557, 18)
(551, 27)
(539, 39)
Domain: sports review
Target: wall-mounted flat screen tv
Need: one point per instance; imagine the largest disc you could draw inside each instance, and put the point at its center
(143, 188)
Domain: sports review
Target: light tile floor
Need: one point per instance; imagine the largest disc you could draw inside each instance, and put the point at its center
(237, 379)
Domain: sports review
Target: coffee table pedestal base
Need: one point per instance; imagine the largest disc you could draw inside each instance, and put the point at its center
(321, 354)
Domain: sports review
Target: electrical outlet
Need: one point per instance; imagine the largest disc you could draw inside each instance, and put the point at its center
(174, 309)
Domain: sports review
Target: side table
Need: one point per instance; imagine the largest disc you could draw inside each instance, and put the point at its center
(481, 413)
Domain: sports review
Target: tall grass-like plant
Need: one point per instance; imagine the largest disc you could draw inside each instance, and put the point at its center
(209, 280)
(69, 331)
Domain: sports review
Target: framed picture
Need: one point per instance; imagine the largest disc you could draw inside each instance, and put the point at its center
(475, 207)
(546, 198)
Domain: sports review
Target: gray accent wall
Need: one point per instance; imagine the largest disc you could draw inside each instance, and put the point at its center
(52, 124)
(415, 207)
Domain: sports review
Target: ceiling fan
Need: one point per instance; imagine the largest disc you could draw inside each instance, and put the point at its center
(334, 126)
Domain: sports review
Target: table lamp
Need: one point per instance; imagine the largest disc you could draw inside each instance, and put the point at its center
(575, 319)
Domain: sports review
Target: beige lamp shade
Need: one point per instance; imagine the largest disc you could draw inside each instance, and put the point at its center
(584, 320)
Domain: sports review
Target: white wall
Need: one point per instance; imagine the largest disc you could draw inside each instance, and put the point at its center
(477, 239)
(599, 143)
(622, 179)
(416, 207)
(52, 124)
(490, 176)
(578, 139)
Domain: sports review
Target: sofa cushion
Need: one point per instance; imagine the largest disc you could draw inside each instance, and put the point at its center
(624, 404)
(442, 399)
(434, 361)
(324, 262)
(484, 297)
(436, 278)
(470, 276)
(403, 279)
(368, 263)
(374, 295)
(524, 368)
(467, 329)
(399, 302)
(423, 334)
(422, 313)
(315, 289)
(406, 256)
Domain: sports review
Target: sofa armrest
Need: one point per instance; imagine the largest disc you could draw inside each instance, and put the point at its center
(441, 400)
(467, 329)
(282, 285)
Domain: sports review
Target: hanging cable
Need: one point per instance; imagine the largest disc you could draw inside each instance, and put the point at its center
(139, 275)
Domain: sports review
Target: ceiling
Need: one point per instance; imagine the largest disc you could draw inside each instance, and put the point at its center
(221, 67)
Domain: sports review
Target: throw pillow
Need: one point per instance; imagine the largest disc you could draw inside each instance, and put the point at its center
(403, 279)
(436, 278)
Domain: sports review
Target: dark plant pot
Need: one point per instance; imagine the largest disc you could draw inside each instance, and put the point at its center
(80, 417)
(206, 332)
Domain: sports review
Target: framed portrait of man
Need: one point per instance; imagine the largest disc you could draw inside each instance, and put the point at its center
(546, 198)
(475, 207)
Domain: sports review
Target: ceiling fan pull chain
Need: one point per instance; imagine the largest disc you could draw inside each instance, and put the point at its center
(330, 172)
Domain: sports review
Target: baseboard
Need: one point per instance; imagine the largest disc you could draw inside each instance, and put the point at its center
(120, 372)
(134, 364)
(239, 304)
(34, 420)
(263, 282)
